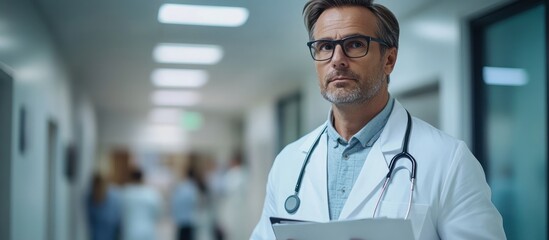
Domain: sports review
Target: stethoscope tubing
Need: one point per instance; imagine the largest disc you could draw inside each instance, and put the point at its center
(307, 157)
(402, 155)
(293, 202)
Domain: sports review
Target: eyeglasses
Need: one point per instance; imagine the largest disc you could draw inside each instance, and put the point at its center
(353, 47)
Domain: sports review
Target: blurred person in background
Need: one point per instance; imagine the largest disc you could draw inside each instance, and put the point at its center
(213, 177)
(185, 201)
(104, 209)
(209, 186)
(142, 206)
(344, 169)
(233, 198)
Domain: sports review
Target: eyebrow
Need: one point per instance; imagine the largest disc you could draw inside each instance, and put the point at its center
(344, 37)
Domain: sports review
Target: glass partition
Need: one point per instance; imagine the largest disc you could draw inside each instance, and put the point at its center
(511, 117)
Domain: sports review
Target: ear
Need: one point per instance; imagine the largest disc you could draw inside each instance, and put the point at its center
(390, 60)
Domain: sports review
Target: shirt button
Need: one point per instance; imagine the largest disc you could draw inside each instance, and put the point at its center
(346, 156)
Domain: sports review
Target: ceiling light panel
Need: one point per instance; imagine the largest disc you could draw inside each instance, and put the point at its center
(202, 15)
(162, 135)
(187, 53)
(175, 98)
(166, 115)
(179, 78)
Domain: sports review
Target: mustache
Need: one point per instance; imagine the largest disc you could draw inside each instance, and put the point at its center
(340, 74)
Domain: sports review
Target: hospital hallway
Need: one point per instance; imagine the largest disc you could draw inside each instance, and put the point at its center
(140, 119)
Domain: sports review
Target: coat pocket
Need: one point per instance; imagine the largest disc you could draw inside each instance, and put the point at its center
(418, 214)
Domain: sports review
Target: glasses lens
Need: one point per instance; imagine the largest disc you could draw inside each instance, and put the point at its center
(322, 49)
(356, 46)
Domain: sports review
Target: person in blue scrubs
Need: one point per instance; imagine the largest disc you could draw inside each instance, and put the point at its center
(103, 210)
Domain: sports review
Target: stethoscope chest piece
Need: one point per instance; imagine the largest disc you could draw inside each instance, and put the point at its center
(292, 204)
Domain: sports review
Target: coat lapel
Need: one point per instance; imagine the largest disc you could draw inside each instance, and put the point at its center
(314, 188)
(370, 178)
(365, 192)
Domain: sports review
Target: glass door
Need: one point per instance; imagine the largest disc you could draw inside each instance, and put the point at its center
(510, 113)
(6, 111)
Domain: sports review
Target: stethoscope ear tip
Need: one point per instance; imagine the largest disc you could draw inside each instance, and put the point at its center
(292, 204)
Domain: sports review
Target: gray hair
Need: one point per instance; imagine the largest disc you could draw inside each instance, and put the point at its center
(387, 24)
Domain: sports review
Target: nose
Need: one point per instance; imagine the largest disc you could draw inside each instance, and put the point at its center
(339, 59)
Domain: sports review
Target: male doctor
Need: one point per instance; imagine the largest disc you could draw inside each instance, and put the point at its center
(354, 45)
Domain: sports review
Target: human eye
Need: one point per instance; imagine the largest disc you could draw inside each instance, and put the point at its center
(355, 43)
(324, 46)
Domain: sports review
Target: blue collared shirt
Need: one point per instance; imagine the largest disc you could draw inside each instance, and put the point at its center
(345, 159)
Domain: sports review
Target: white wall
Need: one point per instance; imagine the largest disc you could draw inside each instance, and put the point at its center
(260, 138)
(43, 88)
(315, 107)
(85, 131)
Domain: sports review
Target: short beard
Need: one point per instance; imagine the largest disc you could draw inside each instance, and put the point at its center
(362, 92)
(344, 96)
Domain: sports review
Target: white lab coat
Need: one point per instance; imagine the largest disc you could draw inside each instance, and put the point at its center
(141, 212)
(451, 199)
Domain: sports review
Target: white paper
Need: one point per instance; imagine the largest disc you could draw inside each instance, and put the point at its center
(361, 229)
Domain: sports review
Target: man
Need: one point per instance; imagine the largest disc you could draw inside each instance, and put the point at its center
(354, 44)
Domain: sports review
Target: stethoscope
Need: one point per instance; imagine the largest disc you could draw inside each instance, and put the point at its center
(292, 202)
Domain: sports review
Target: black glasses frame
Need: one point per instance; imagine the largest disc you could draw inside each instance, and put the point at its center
(340, 43)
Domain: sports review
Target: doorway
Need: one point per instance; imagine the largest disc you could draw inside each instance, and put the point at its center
(289, 119)
(6, 110)
(510, 86)
(51, 174)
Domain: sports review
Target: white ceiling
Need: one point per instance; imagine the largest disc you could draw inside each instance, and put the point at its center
(107, 46)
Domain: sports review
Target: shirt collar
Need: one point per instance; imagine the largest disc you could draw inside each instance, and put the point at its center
(368, 135)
